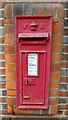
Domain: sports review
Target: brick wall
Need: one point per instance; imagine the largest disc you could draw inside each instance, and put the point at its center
(55, 106)
(63, 90)
(3, 104)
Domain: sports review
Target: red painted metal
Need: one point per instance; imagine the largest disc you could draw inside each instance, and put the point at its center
(33, 49)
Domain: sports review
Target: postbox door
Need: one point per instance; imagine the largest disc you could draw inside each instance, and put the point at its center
(33, 67)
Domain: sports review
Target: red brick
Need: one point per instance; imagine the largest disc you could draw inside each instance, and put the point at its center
(63, 94)
(35, 112)
(66, 13)
(9, 29)
(62, 107)
(2, 99)
(0, 4)
(58, 28)
(66, 32)
(64, 64)
(64, 56)
(9, 49)
(55, 67)
(1, 39)
(57, 38)
(54, 84)
(60, 10)
(1, 48)
(10, 67)
(65, 112)
(10, 21)
(65, 49)
(63, 79)
(53, 109)
(10, 58)
(11, 101)
(45, 112)
(40, 12)
(2, 64)
(10, 110)
(10, 76)
(1, 23)
(2, 71)
(53, 93)
(4, 112)
(11, 92)
(56, 47)
(62, 100)
(53, 101)
(2, 85)
(11, 85)
(0, 106)
(9, 39)
(50, 10)
(3, 4)
(20, 111)
(8, 11)
(55, 57)
(56, 20)
(54, 75)
(60, 112)
(65, 4)
(2, 56)
(18, 9)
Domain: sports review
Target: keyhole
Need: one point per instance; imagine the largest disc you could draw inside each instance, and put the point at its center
(27, 81)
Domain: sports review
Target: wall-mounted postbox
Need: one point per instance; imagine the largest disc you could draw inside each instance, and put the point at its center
(33, 49)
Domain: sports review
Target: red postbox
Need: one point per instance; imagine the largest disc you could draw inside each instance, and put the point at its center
(33, 50)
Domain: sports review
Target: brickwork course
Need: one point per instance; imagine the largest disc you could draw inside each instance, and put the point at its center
(58, 100)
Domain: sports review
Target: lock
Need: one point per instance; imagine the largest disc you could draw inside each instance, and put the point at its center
(30, 81)
(33, 51)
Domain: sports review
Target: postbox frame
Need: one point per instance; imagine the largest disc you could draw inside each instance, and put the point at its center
(19, 81)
